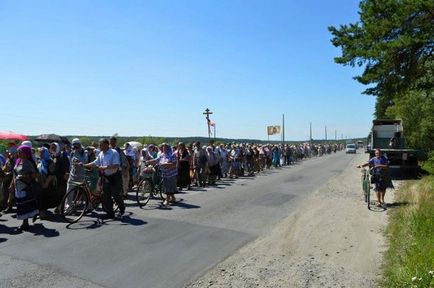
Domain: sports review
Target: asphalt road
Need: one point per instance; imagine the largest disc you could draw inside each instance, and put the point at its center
(156, 246)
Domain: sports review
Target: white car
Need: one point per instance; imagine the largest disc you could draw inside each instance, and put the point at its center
(350, 148)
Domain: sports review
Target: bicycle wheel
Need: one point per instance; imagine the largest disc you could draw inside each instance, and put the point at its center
(365, 185)
(368, 192)
(144, 192)
(74, 205)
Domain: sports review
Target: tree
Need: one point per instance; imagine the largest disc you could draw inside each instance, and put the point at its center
(393, 41)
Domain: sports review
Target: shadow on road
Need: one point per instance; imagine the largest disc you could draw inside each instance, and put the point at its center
(36, 229)
(8, 230)
(397, 204)
(39, 229)
(133, 221)
(185, 205)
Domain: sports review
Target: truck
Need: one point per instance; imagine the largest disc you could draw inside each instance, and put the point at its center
(388, 135)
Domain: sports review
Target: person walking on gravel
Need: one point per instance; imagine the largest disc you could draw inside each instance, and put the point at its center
(380, 165)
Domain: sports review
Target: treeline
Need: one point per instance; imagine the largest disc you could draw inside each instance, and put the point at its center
(393, 41)
(93, 140)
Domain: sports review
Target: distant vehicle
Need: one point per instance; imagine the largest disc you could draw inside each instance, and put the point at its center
(351, 148)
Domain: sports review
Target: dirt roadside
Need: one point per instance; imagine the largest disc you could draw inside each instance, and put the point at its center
(331, 240)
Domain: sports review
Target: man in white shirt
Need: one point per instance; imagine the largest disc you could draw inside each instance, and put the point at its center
(108, 163)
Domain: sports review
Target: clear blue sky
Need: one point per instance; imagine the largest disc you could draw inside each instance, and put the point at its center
(152, 67)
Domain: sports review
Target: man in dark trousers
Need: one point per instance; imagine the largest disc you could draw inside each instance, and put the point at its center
(108, 163)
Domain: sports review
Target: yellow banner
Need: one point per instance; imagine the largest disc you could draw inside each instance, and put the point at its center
(273, 130)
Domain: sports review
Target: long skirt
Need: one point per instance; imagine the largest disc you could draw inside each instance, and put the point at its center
(224, 166)
(52, 196)
(183, 179)
(169, 184)
(26, 205)
(214, 171)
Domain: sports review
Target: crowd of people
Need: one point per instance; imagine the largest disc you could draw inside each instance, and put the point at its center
(36, 179)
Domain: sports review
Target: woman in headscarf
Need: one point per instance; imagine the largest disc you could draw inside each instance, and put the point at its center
(45, 168)
(214, 168)
(275, 154)
(191, 163)
(223, 160)
(48, 181)
(61, 172)
(148, 153)
(25, 173)
(8, 169)
(183, 180)
(167, 163)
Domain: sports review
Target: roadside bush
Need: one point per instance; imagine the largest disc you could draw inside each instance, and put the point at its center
(428, 165)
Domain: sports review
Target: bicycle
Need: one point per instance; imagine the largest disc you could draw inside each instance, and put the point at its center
(81, 200)
(366, 185)
(151, 186)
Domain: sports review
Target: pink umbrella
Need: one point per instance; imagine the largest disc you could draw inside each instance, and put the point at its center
(8, 135)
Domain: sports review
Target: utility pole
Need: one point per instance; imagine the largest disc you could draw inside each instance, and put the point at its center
(325, 129)
(336, 135)
(310, 134)
(283, 129)
(207, 113)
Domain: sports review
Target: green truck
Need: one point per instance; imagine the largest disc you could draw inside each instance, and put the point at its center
(387, 134)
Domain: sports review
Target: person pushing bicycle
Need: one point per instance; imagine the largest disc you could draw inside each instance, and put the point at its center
(108, 163)
(379, 164)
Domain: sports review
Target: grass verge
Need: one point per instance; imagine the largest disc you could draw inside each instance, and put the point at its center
(409, 261)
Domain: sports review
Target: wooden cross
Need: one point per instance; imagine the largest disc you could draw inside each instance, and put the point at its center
(207, 113)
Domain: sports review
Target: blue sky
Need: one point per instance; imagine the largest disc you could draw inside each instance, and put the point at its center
(152, 67)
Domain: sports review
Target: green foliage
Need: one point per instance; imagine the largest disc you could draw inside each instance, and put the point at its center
(86, 140)
(428, 165)
(3, 146)
(152, 140)
(416, 108)
(393, 41)
(410, 256)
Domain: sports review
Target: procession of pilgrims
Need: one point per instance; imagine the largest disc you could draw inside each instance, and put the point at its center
(54, 167)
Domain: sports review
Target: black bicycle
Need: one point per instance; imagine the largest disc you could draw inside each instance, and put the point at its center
(366, 186)
(150, 186)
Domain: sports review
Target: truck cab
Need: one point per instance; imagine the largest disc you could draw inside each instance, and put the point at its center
(388, 135)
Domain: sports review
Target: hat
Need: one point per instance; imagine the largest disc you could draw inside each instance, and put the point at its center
(75, 141)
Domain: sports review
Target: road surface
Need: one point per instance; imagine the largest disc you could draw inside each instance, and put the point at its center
(155, 246)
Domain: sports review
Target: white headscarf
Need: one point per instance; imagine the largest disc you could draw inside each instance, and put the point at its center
(27, 143)
(57, 151)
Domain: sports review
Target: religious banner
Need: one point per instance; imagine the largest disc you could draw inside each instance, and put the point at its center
(273, 130)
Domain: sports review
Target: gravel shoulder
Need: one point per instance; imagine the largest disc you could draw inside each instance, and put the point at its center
(330, 240)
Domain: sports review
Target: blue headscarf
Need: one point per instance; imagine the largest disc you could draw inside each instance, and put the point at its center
(45, 158)
(167, 150)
